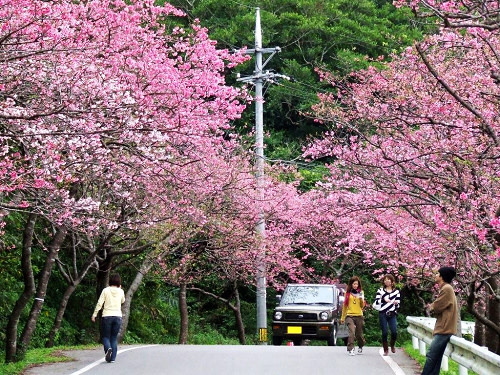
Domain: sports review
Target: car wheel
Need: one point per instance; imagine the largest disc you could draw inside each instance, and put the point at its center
(332, 340)
(277, 341)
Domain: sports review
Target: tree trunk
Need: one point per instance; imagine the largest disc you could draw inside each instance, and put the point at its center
(237, 314)
(144, 269)
(183, 334)
(36, 308)
(493, 337)
(72, 285)
(459, 321)
(489, 318)
(29, 290)
(479, 330)
(60, 313)
(102, 277)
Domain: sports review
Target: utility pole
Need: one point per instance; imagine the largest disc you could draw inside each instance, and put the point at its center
(258, 78)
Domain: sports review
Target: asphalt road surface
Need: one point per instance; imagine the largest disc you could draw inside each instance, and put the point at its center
(232, 359)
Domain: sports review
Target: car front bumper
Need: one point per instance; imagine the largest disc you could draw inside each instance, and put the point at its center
(311, 330)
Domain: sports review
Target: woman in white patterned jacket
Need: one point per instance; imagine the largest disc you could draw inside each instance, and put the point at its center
(387, 303)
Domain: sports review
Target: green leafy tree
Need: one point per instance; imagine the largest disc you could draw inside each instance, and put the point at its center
(338, 35)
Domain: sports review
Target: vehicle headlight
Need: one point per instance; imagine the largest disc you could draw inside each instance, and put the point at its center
(323, 315)
(278, 315)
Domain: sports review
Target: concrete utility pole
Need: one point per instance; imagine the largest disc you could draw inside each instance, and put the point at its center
(258, 79)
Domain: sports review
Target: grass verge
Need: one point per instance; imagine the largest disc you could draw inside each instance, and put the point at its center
(36, 357)
(415, 354)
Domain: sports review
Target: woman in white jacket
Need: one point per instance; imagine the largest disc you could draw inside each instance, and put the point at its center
(110, 301)
(387, 303)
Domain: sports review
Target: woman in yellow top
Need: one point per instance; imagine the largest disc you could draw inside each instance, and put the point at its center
(352, 314)
(110, 302)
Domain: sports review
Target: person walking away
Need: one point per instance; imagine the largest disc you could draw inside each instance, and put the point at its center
(445, 309)
(387, 303)
(352, 314)
(110, 301)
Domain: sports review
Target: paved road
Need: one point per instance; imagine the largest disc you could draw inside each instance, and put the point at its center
(232, 359)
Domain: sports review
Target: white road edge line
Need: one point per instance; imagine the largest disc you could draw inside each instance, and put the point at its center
(393, 365)
(88, 367)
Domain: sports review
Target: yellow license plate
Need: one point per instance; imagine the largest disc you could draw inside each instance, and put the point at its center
(297, 330)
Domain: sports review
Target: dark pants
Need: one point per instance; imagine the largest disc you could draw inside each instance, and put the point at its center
(110, 326)
(385, 321)
(435, 354)
(355, 324)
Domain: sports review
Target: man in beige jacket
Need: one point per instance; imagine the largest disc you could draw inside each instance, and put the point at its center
(445, 309)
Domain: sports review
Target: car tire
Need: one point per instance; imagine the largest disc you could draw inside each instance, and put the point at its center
(277, 341)
(332, 340)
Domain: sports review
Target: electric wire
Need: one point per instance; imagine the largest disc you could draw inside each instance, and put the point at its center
(292, 91)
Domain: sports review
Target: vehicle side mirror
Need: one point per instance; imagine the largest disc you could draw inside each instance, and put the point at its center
(278, 298)
(341, 300)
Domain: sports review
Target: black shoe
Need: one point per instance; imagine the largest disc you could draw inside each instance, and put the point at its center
(109, 352)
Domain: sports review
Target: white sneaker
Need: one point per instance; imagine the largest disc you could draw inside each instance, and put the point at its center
(351, 352)
(360, 350)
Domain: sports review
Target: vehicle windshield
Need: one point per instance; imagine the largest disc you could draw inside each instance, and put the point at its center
(307, 295)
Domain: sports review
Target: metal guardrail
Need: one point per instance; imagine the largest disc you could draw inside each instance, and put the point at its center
(468, 355)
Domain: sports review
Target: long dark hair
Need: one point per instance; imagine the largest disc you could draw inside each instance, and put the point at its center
(351, 281)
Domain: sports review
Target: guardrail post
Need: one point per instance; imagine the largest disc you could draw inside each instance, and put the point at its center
(414, 342)
(421, 346)
(462, 370)
(444, 363)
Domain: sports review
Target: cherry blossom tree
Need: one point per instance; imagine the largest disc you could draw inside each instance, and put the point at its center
(223, 245)
(102, 114)
(416, 148)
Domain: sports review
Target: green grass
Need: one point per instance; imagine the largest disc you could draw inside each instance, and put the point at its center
(38, 356)
(415, 354)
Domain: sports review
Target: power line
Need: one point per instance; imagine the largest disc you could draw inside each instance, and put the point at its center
(243, 5)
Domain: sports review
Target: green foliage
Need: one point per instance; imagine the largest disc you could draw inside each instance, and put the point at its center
(279, 147)
(311, 176)
(208, 336)
(337, 35)
(8, 296)
(43, 326)
(468, 337)
(37, 356)
(154, 315)
(12, 285)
